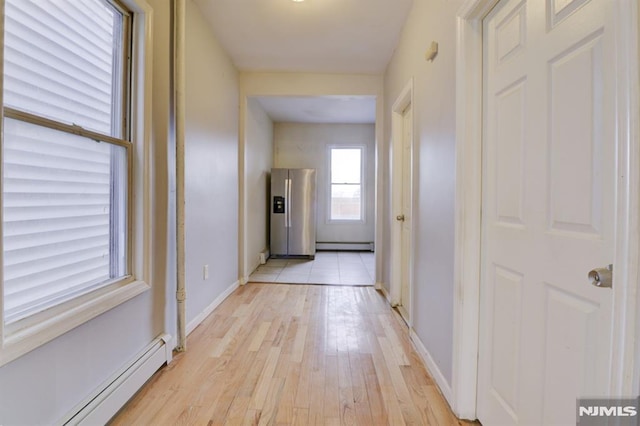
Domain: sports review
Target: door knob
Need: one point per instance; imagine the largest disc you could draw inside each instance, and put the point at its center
(602, 277)
(400, 218)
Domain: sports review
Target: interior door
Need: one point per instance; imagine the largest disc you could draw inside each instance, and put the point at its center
(548, 209)
(405, 235)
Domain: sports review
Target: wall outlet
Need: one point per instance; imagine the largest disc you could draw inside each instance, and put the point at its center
(263, 256)
(205, 272)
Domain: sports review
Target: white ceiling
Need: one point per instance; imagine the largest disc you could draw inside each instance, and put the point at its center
(325, 36)
(320, 109)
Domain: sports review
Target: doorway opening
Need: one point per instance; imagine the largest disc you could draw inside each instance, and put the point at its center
(337, 136)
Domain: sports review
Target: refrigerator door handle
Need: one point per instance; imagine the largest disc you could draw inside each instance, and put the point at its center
(287, 187)
(286, 203)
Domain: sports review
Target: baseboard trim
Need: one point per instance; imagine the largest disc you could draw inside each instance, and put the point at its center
(380, 286)
(207, 311)
(103, 404)
(432, 368)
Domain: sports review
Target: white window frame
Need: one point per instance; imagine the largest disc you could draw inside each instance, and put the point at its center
(25, 335)
(363, 192)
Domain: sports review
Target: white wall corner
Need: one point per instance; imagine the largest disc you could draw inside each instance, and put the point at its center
(432, 368)
(209, 309)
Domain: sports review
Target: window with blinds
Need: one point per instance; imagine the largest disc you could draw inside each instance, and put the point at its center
(66, 151)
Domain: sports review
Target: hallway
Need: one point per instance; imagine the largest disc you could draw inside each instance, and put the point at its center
(294, 354)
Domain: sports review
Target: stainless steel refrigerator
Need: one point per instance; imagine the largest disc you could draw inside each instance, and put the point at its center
(293, 212)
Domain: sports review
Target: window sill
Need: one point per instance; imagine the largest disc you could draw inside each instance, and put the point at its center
(346, 222)
(26, 335)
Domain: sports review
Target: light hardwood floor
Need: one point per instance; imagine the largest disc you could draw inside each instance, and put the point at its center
(278, 354)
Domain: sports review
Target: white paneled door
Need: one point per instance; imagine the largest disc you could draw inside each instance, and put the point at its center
(407, 177)
(548, 209)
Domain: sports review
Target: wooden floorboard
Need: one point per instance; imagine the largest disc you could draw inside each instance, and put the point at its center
(279, 354)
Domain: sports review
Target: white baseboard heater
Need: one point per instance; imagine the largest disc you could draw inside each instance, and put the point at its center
(101, 406)
(345, 246)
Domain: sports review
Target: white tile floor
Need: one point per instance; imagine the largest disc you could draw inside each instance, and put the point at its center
(329, 267)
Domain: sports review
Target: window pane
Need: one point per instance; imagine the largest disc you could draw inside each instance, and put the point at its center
(63, 60)
(64, 216)
(346, 202)
(345, 165)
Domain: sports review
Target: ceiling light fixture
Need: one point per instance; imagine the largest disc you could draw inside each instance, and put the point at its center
(298, 1)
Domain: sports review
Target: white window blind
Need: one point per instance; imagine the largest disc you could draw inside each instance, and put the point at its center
(59, 60)
(64, 195)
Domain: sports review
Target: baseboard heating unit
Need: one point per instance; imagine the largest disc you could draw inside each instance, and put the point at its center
(100, 407)
(345, 246)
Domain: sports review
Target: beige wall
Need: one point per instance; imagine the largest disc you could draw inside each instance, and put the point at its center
(434, 139)
(211, 165)
(258, 156)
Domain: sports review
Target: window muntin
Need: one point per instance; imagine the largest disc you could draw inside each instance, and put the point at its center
(66, 168)
(346, 184)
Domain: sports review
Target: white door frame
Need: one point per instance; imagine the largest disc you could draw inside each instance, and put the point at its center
(625, 374)
(404, 99)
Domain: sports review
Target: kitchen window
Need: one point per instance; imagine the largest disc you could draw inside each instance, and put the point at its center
(346, 189)
(70, 135)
